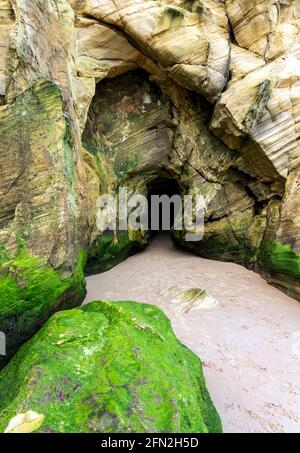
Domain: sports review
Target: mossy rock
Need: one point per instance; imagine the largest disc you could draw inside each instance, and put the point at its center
(281, 266)
(107, 367)
(233, 238)
(30, 292)
(111, 249)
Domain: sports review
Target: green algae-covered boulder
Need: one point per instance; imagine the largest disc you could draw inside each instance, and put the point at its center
(106, 367)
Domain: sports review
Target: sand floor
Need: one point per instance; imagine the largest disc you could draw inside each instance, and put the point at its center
(249, 342)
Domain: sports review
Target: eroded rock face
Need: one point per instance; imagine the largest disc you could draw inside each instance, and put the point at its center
(106, 367)
(39, 270)
(268, 28)
(189, 40)
(42, 223)
(216, 109)
(7, 20)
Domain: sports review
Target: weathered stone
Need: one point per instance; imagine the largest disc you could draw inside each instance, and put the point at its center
(242, 62)
(263, 104)
(7, 19)
(236, 187)
(236, 237)
(130, 132)
(190, 41)
(131, 123)
(268, 28)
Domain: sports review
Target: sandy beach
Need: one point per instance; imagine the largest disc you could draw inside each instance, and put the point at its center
(248, 340)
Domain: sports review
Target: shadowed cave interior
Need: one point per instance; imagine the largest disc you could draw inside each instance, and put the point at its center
(161, 187)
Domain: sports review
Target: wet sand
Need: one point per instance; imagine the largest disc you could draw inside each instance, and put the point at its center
(249, 342)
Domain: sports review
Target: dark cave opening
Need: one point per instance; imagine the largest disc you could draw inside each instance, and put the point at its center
(165, 188)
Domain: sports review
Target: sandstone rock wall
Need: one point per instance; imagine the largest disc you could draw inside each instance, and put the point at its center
(42, 183)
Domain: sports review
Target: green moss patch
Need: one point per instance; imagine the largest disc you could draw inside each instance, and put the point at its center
(109, 250)
(277, 258)
(235, 238)
(108, 367)
(264, 91)
(30, 292)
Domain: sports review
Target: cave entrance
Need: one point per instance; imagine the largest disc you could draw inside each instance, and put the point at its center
(130, 135)
(162, 210)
